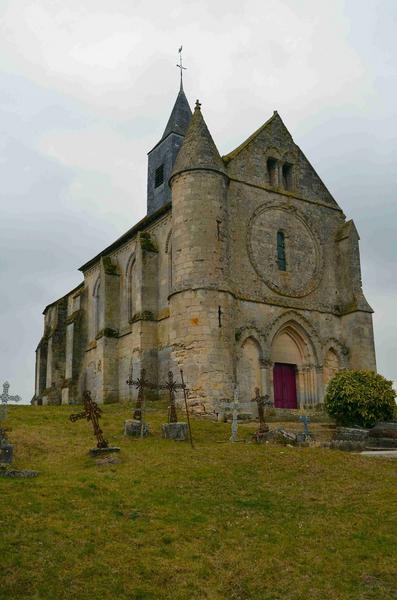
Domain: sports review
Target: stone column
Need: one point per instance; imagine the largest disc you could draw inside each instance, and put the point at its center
(320, 385)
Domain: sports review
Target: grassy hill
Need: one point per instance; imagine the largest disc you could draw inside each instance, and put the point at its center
(223, 521)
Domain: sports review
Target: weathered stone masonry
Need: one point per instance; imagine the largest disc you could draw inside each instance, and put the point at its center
(244, 272)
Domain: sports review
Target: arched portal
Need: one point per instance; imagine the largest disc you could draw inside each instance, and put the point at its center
(294, 368)
(248, 370)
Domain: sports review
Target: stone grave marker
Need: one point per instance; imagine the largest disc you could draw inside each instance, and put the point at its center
(6, 448)
(5, 398)
(236, 407)
(307, 435)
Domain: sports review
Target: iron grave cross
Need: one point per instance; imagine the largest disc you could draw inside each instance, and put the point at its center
(92, 412)
(141, 383)
(262, 402)
(172, 387)
(5, 398)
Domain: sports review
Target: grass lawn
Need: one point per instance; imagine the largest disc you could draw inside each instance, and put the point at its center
(224, 521)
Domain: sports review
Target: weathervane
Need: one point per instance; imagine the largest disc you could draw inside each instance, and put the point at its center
(180, 66)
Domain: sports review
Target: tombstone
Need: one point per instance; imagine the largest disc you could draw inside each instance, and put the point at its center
(92, 413)
(6, 449)
(236, 407)
(383, 435)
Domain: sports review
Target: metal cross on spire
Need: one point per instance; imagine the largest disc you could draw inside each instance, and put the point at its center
(5, 398)
(180, 66)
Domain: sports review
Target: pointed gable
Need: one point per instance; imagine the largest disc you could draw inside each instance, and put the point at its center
(270, 158)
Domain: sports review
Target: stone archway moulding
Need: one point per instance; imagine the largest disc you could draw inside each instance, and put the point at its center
(250, 332)
(303, 327)
(341, 351)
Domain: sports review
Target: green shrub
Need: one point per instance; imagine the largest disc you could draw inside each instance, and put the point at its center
(360, 398)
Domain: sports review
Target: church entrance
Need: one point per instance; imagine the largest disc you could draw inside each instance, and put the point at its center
(284, 383)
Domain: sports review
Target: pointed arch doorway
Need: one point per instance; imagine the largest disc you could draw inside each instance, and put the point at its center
(291, 357)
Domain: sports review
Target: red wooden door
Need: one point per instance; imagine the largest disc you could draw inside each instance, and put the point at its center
(284, 383)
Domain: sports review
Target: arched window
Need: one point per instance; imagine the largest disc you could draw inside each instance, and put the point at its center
(131, 287)
(272, 172)
(287, 176)
(97, 308)
(281, 260)
(168, 250)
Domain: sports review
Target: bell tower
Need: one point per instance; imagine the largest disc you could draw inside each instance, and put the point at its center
(161, 158)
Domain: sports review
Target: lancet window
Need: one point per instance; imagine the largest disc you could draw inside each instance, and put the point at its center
(281, 258)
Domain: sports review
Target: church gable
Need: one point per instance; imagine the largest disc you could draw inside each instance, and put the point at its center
(270, 158)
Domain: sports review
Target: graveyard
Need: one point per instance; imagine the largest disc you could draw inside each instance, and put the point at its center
(160, 519)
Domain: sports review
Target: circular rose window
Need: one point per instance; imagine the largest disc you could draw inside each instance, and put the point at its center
(284, 251)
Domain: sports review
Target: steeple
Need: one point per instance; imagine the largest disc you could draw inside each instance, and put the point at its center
(162, 157)
(198, 149)
(180, 116)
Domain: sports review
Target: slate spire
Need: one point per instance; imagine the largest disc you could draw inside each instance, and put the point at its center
(180, 116)
(198, 149)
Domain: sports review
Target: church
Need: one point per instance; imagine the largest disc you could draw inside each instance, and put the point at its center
(245, 273)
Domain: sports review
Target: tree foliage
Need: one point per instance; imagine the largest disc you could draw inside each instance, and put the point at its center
(360, 398)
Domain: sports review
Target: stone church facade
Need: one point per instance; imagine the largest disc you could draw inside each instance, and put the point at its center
(244, 272)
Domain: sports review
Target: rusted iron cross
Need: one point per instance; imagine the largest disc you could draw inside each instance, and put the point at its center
(92, 413)
(5, 398)
(172, 387)
(140, 383)
(262, 402)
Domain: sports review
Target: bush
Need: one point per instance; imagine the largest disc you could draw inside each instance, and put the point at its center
(360, 398)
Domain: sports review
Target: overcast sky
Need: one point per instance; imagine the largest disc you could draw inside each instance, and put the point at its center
(86, 89)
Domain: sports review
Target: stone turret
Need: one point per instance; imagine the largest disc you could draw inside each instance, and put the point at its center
(199, 185)
(162, 157)
(201, 306)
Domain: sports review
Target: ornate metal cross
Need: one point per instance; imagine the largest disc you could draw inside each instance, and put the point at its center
(262, 402)
(172, 387)
(236, 407)
(92, 413)
(305, 420)
(141, 383)
(5, 398)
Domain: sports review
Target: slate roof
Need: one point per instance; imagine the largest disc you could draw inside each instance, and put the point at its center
(180, 117)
